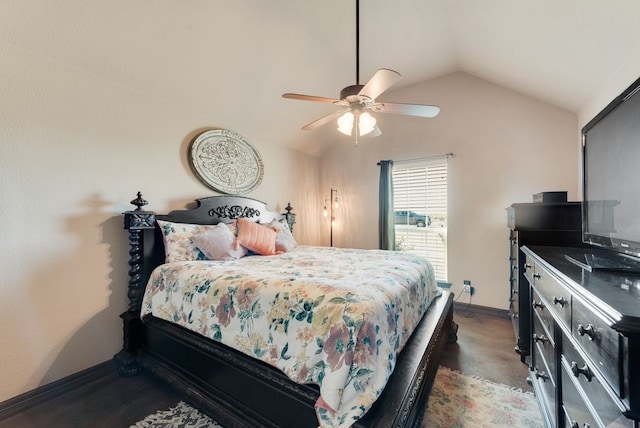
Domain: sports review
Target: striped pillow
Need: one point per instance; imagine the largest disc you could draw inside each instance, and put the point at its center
(256, 237)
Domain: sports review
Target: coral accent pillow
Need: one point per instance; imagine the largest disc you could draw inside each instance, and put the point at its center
(256, 237)
(219, 243)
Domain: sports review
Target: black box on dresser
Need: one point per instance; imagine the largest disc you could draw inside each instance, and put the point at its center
(585, 341)
(560, 197)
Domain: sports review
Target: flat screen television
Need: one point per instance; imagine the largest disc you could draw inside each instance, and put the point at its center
(611, 183)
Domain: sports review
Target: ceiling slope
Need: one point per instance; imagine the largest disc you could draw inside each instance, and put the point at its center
(230, 62)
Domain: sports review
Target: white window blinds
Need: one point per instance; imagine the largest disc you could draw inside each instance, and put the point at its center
(420, 211)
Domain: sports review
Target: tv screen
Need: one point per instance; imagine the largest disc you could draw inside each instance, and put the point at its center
(611, 175)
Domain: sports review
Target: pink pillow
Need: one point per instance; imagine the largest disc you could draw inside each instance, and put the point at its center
(255, 237)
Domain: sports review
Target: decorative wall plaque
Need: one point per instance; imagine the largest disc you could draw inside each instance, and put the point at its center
(226, 162)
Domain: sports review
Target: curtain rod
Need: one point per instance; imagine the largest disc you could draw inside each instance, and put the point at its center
(446, 155)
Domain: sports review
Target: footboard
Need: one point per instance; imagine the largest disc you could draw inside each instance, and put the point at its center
(239, 391)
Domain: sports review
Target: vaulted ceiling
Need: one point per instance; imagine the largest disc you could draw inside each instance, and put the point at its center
(230, 61)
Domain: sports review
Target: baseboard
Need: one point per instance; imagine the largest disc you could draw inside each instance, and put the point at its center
(43, 393)
(480, 310)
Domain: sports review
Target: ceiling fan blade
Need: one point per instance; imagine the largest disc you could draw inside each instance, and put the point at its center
(323, 120)
(408, 109)
(309, 98)
(380, 82)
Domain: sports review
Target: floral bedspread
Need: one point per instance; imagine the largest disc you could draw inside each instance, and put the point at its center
(330, 316)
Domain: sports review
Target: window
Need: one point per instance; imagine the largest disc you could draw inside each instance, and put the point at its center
(420, 211)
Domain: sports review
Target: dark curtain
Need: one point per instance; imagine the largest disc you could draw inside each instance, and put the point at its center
(386, 229)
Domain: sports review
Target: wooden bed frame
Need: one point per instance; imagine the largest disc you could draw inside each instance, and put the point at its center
(240, 391)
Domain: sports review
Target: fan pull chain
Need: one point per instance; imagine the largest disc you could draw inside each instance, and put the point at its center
(356, 125)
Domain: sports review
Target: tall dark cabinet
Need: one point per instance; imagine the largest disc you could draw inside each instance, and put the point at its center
(537, 223)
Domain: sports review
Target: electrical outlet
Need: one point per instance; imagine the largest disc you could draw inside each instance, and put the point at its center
(467, 288)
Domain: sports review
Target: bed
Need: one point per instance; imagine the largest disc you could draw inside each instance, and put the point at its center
(269, 357)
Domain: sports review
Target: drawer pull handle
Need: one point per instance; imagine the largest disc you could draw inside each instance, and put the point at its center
(577, 425)
(540, 338)
(584, 370)
(541, 375)
(589, 331)
(560, 301)
(538, 305)
(527, 266)
(536, 275)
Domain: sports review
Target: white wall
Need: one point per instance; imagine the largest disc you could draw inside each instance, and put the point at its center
(507, 147)
(75, 147)
(619, 79)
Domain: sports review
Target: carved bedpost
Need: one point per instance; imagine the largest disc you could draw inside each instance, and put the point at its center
(291, 217)
(135, 222)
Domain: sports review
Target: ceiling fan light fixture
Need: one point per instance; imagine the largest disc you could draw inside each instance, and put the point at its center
(366, 123)
(345, 123)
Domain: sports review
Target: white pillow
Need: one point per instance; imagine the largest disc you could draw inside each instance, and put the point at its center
(284, 239)
(219, 243)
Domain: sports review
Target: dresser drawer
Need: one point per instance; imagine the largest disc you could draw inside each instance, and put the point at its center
(545, 390)
(576, 412)
(541, 311)
(529, 269)
(599, 341)
(577, 372)
(543, 343)
(556, 296)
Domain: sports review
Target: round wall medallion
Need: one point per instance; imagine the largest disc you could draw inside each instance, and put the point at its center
(226, 162)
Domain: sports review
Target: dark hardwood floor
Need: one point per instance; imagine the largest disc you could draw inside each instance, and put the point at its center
(484, 348)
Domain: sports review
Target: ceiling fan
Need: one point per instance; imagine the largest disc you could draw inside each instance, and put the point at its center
(355, 100)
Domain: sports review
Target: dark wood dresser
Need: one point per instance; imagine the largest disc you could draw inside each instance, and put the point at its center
(555, 223)
(585, 340)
